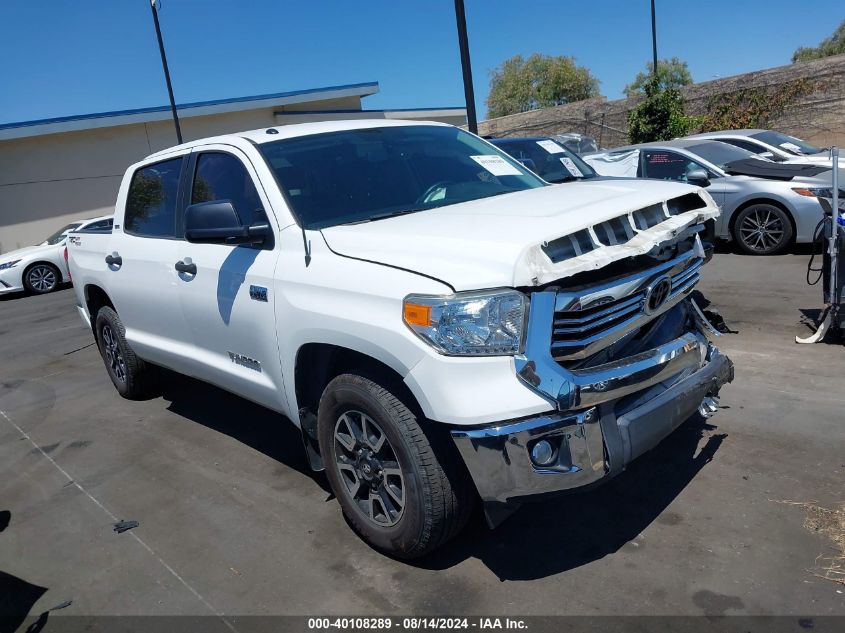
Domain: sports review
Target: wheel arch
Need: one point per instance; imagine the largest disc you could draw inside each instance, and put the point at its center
(96, 298)
(772, 201)
(316, 365)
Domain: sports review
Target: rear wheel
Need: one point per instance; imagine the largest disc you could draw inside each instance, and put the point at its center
(399, 481)
(42, 278)
(763, 229)
(132, 377)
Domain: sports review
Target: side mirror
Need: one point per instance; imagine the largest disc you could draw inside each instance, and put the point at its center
(217, 222)
(698, 177)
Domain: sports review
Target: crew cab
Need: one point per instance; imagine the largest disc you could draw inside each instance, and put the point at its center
(441, 324)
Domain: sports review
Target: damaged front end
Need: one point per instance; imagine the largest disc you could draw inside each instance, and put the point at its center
(623, 354)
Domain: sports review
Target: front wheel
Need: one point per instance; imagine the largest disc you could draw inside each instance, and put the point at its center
(398, 479)
(763, 229)
(42, 278)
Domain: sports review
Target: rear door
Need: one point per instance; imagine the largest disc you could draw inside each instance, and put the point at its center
(227, 303)
(140, 277)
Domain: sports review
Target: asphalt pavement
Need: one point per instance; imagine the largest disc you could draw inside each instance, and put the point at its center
(232, 523)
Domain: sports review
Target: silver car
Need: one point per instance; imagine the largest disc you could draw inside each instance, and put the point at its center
(763, 215)
(772, 145)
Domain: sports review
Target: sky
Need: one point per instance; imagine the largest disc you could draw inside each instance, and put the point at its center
(68, 57)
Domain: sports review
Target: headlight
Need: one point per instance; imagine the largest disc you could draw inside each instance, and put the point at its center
(818, 192)
(6, 265)
(489, 323)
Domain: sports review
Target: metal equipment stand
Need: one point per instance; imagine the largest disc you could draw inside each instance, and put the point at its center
(831, 317)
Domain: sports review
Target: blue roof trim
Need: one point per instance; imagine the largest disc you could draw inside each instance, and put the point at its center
(366, 111)
(184, 106)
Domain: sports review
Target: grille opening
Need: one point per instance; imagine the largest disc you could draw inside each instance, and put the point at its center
(685, 203)
(649, 216)
(614, 231)
(569, 246)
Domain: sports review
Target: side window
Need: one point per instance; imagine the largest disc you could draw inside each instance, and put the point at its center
(151, 203)
(747, 145)
(102, 226)
(665, 165)
(222, 176)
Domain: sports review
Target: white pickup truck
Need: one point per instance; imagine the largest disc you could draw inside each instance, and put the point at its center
(440, 323)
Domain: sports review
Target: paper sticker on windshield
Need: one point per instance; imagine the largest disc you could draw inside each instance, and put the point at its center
(551, 147)
(496, 165)
(571, 166)
(792, 147)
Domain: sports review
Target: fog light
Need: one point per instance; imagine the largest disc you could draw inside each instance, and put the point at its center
(542, 453)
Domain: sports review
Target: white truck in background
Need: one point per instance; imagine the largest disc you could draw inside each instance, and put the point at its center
(440, 323)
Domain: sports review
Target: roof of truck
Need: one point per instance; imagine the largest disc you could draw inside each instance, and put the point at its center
(275, 133)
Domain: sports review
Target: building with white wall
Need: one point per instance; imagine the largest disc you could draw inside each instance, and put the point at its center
(54, 171)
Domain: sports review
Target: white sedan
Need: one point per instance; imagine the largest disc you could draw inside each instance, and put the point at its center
(40, 269)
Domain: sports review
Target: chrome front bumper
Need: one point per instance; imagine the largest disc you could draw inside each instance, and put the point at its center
(595, 430)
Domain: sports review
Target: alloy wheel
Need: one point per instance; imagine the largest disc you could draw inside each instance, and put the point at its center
(762, 230)
(114, 357)
(369, 468)
(42, 278)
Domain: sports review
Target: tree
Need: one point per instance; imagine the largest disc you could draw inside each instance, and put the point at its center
(671, 73)
(540, 81)
(833, 45)
(660, 117)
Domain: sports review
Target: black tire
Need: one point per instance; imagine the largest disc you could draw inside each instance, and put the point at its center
(437, 494)
(41, 278)
(132, 377)
(763, 228)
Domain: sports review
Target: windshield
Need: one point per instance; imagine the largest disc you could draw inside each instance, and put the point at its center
(547, 158)
(721, 154)
(59, 235)
(793, 145)
(369, 174)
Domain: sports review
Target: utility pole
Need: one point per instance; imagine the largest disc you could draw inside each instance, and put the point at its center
(469, 93)
(653, 39)
(166, 71)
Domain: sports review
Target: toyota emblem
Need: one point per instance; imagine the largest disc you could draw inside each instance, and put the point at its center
(657, 294)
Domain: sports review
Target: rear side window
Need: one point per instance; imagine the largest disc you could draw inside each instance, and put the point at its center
(222, 176)
(151, 203)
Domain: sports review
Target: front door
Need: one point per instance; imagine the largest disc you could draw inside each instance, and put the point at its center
(227, 301)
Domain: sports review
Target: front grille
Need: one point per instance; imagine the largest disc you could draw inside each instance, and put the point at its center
(589, 326)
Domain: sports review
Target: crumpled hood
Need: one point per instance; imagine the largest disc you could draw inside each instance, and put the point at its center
(495, 242)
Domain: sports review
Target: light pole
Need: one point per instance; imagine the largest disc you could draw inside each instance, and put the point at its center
(166, 71)
(653, 39)
(469, 93)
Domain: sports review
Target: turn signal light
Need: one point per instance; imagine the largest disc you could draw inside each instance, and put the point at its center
(416, 314)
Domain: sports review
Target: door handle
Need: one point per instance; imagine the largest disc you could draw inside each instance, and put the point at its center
(114, 260)
(188, 268)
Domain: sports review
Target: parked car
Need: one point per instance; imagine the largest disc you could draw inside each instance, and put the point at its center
(439, 322)
(546, 158)
(764, 210)
(41, 269)
(775, 146)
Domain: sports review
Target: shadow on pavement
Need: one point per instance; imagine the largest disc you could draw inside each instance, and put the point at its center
(260, 428)
(560, 534)
(542, 538)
